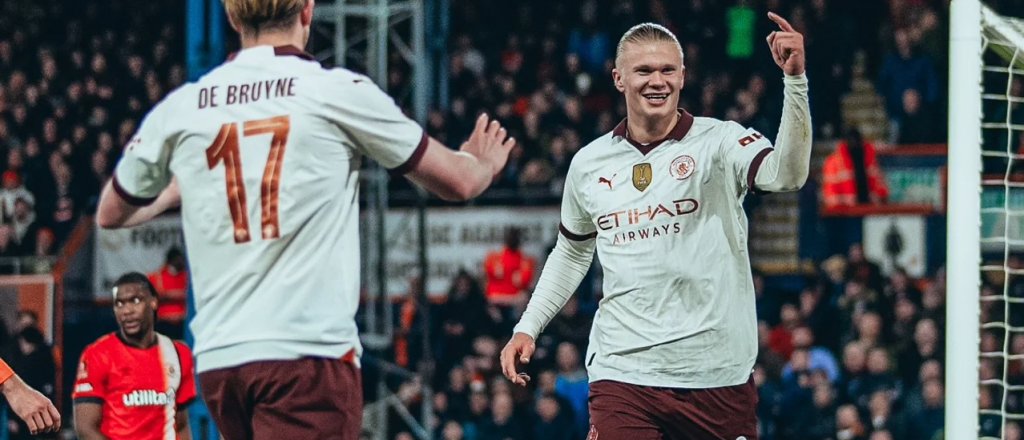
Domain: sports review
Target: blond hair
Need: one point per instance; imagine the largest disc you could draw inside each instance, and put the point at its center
(263, 14)
(646, 33)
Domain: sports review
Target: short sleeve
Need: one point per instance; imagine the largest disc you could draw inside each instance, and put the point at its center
(576, 222)
(5, 371)
(376, 124)
(187, 389)
(144, 169)
(743, 150)
(91, 378)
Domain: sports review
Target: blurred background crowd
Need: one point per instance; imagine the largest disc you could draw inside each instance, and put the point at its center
(854, 354)
(544, 69)
(850, 354)
(70, 98)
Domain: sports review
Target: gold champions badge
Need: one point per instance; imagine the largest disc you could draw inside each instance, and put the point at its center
(642, 176)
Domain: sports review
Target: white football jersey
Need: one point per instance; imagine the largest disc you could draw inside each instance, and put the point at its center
(678, 307)
(266, 151)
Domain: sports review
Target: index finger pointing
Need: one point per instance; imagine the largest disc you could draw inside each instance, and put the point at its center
(783, 24)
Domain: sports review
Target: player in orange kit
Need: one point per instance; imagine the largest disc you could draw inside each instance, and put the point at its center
(134, 383)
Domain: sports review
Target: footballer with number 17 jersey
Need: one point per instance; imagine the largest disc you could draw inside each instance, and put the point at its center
(264, 155)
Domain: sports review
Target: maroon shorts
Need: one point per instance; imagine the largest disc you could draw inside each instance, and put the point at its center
(308, 398)
(620, 411)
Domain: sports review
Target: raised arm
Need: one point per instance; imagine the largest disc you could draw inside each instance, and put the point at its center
(464, 174)
(378, 128)
(787, 168)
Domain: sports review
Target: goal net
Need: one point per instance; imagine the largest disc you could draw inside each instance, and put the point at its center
(985, 221)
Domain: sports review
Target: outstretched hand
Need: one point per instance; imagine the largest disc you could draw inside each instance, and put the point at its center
(787, 46)
(489, 143)
(517, 352)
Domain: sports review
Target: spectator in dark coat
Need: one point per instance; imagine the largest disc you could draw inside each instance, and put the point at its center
(501, 425)
(816, 422)
(928, 421)
(549, 423)
(917, 123)
(35, 364)
(902, 70)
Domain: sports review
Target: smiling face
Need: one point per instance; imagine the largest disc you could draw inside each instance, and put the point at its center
(650, 75)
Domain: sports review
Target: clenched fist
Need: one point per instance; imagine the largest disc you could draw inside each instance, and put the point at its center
(35, 409)
(787, 46)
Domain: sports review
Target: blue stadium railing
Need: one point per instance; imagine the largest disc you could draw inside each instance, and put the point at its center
(202, 425)
(4, 435)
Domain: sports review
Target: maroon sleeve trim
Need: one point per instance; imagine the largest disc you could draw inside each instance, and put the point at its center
(755, 165)
(575, 237)
(132, 200)
(417, 156)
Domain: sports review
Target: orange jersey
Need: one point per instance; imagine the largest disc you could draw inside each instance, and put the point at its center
(5, 371)
(140, 389)
(507, 272)
(170, 288)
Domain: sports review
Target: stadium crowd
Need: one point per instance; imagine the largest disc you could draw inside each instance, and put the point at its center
(544, 69)
(854, 355)
(70, 98)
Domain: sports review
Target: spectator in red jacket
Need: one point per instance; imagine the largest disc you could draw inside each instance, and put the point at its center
(780, 339)
(508, 272)
(171, 282)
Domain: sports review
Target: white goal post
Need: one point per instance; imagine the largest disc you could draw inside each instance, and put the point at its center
(963, 221)
(985, 222)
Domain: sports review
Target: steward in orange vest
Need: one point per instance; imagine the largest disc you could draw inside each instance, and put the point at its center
(851, 175)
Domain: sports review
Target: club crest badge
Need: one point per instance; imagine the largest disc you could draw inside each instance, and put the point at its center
(642, 176)
(682, 167)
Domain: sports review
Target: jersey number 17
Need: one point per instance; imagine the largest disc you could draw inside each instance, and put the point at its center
(225, 150)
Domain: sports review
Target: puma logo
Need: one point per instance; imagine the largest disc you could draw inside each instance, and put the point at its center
(609, 182)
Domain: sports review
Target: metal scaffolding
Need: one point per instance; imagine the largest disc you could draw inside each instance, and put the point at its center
(367, 35)
(381, 38)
